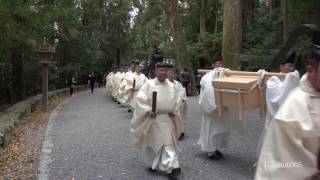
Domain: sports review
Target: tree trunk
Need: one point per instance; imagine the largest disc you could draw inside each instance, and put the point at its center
(245, 12)
(65, 54)
(17, 90)
(276, 3)
(284, 11)
(118, 56)
(203, 17)
(273, 4)
(216, 15)
(232, 33)
(171, 10)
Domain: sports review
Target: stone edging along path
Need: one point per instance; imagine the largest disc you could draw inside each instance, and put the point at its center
(12, 116)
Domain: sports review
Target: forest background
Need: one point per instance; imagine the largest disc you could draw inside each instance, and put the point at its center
(91, 35)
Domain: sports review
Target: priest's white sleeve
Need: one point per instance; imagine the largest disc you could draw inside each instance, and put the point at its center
(284, 154)
(139, 122)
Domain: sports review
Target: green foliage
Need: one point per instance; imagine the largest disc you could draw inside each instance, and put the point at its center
(262, 39)
(263, 36)
(90, 32)
(303, 12)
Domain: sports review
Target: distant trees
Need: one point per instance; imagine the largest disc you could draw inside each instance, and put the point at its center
(92, 35)
(232, 33)
(173, 15)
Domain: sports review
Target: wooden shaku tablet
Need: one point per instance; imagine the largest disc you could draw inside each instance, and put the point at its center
(154, 101)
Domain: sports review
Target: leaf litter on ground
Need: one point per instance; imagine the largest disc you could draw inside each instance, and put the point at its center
(20, 158)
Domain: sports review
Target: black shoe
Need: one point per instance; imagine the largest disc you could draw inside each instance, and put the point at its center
(129, 110)
(218, 154)
(151, 170)
(172, 177)
(214, 157)
(174, 174)
(181, 137)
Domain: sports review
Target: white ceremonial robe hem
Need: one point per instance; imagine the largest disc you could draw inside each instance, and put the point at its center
(165, 160)
(132, 101)
(183, 114)
(214, 134)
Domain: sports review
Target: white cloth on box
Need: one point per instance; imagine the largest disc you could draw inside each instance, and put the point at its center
(291, 146)
(261, 74)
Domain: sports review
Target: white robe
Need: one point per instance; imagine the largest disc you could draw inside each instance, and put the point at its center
(139, 79)
(291, 146)
(182, 103)
(276, 92)
(126, 91)
(158, 134)
(117, 79)
(109, 83)
(120, 90)
(215, 130)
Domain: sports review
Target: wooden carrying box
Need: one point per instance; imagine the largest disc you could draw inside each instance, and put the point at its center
(241, 92)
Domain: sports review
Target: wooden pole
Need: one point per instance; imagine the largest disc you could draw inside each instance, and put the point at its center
(44, 61)
(220, 106)
(45, 87)
(245, 73)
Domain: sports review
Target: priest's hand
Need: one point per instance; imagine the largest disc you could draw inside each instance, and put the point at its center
(171, 114)
(153, 115)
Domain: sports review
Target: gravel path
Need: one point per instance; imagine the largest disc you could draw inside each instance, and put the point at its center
(88, 137)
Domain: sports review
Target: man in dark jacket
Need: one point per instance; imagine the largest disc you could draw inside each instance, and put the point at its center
(185, 78)
(91, 82)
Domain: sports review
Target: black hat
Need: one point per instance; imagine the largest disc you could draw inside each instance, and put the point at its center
(137, 62)
(132, 63)
(163, 65)
(114, 66)
(290, 58)
(217, 58)
(316, 49)
(213, 57)
(172, 69)
(314, 52)
(140, 64)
